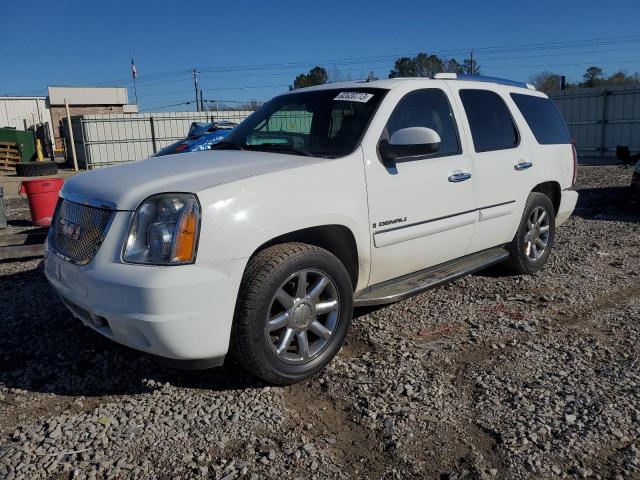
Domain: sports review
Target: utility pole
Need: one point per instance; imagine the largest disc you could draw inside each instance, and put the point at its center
(72, 140)
(472, 65)
(195, 84)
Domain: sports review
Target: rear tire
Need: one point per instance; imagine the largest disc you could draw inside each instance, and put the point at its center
(36, 169)
(294, 307)
(532, 244)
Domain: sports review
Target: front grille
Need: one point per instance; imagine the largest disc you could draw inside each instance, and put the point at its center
(77, 230)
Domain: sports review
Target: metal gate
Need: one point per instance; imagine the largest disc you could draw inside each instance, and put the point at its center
(599, 119)
(108, 139)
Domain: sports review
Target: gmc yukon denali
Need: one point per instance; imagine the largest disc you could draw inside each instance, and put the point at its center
(326, 198)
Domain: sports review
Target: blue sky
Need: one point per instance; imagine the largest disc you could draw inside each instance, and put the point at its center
(87, 42)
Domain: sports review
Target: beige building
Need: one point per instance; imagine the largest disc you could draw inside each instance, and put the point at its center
(83, 101)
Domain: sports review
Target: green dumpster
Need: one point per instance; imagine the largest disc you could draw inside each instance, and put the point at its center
(24, 139)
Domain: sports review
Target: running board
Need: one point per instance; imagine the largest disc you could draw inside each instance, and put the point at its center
(414, 283)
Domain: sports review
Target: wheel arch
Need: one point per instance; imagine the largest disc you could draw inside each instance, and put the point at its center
(336, 239)
(552, 190)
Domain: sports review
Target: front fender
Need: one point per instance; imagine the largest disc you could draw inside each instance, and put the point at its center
(240, 216)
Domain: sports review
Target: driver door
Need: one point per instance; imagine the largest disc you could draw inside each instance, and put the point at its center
(421, 213)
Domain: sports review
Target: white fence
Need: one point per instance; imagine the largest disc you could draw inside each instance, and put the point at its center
(107, 139)
(24, 112)
(599, 119)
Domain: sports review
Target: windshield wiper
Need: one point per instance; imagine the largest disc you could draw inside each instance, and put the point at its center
(278, 147)
(227, 145)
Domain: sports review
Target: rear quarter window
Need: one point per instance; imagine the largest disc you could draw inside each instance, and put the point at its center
(543, 119)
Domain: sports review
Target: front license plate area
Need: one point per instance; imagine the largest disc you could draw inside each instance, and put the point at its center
(70, 279)
(70, 229)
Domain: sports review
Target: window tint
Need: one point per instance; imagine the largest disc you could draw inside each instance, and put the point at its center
(321, 123)
(427, 108)
(492, 127)
(291, 125)
(543, 119)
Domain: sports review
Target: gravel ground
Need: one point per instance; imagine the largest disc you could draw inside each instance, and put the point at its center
(493, 376)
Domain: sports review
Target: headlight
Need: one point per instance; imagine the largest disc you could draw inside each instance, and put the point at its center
(164, 230)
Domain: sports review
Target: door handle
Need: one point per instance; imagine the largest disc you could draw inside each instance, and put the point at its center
(459, 176)
(522, 165)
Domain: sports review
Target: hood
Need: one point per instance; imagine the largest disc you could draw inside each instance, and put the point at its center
(129, 184)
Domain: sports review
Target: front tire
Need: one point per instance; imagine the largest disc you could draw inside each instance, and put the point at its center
(294, 308)
(531, 246)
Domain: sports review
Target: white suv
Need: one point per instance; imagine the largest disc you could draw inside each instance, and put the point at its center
(324, 199)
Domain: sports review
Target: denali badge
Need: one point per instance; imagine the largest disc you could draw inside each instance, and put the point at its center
(69, 229)
(389, 222)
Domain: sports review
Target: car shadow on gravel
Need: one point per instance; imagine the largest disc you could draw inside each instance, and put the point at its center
(608, 204)
(44, 349)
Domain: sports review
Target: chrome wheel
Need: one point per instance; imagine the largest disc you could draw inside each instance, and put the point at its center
(303, 316)
(536, 237)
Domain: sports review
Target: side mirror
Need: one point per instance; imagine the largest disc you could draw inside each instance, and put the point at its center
(410, 142)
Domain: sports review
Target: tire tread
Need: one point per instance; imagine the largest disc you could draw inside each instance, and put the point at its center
(256, 276)
(516, 261)
(36, 169)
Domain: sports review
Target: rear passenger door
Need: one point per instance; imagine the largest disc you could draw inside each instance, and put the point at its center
(496, 152)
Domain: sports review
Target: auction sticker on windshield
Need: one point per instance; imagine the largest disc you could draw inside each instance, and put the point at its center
(354, 97)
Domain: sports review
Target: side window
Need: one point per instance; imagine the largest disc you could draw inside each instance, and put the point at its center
(427, 108)
(492, 127)
(543, 119)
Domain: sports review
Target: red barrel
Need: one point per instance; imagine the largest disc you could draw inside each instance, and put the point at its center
(42, 195)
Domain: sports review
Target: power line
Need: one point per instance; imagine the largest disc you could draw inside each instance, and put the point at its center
(166, 106)
(495, 49)
(245, 87)
(561, 64)
(554, 45)
(557, 54)
(190, 102)
(180, 75)
(248, 87)
(174, 92)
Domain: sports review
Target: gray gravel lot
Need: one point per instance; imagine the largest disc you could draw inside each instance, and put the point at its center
(493, 376)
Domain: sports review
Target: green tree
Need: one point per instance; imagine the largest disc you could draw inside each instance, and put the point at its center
(428, 65)
(316, 76)
(404, 67)
(592, 77)
(546, 81)
(470, 69)
(453, 66)
(620, 78)
(424, 65)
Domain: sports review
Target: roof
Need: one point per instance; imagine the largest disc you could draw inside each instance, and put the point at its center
(22, 98)
(394, 82)
(88, 95)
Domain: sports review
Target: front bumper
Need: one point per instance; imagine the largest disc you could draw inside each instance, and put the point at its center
(568, 201)
(182, 313)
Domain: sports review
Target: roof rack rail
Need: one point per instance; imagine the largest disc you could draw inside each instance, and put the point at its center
(483, 78)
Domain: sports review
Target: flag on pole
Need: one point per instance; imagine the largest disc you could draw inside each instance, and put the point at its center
(134, 72)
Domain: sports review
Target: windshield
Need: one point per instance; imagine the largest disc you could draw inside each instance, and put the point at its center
(321, 123)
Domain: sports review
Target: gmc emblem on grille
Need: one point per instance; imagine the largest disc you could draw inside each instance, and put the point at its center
(69, 229)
